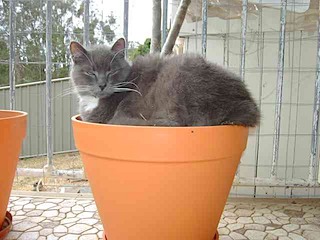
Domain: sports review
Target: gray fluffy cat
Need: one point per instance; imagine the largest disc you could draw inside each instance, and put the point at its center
(183, 90)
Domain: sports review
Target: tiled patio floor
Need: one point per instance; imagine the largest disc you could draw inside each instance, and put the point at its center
(72, 217)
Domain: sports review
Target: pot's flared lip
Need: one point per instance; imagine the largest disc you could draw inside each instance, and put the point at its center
(77, 119)
(160, 144)
(9, 114)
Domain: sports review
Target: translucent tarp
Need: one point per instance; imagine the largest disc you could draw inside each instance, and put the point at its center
(301, 14)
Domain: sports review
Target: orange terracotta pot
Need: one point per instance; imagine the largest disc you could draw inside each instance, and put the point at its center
(159, 182)
(12, 132)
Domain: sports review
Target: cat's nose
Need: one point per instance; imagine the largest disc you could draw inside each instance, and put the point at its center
(102, 86)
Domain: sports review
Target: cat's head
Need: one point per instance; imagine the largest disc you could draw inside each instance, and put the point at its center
(99, 71)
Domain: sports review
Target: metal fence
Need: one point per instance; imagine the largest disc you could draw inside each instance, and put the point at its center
(281, 159)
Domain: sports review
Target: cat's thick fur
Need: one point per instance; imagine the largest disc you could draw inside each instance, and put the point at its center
(182, 90)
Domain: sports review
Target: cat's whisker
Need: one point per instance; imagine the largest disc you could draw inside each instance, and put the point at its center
(83, 89)
(76, 87)
(127, 83)
(134, 78)
(67, 90)
(63, 94)
(116, 54)
(72, 90)
(126, 90)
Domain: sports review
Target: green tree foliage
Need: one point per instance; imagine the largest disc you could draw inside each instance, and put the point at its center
(141, 49)
(67, 19)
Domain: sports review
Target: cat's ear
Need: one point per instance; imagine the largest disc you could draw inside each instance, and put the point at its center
(78, 52)
(119, 46)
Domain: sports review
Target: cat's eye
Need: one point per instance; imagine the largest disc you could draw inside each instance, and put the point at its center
(91, 74)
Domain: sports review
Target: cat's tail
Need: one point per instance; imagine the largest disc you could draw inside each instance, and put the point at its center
(244, 113)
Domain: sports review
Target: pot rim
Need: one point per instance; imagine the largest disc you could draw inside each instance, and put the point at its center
(77, 120)
(15, 114)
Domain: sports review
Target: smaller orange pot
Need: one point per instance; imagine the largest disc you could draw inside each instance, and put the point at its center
(12, 132)
(159, 183)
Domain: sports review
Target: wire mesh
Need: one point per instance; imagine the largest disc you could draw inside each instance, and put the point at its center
(263, 38)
